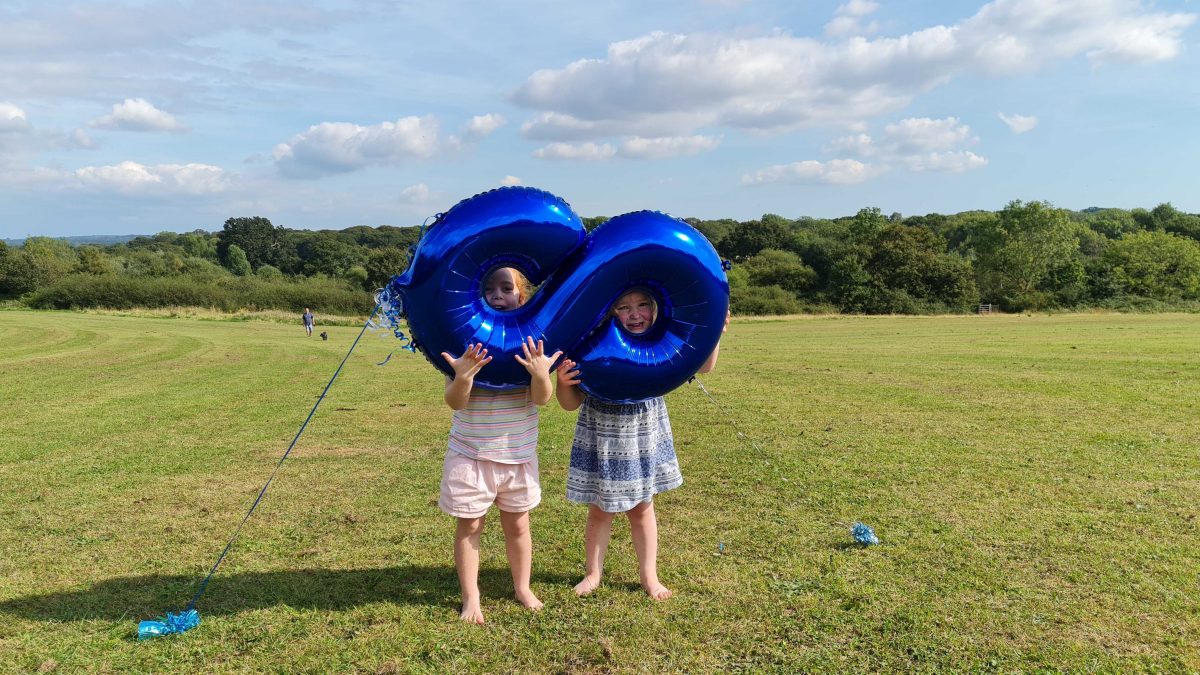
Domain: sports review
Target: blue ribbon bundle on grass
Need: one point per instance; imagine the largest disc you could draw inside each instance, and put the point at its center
(166, 625)
(863, 534)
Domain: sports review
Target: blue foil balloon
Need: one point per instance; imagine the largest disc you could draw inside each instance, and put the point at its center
(580, 276)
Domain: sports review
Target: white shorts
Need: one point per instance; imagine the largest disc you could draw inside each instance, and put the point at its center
(471, 486)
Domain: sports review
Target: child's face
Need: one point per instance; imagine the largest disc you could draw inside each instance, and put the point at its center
(635, 311)
(500, 290)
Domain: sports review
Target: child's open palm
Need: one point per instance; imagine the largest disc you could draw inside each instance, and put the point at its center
(536, 361)
(470, 362)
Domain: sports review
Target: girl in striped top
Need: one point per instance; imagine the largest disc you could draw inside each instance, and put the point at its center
(492, 457)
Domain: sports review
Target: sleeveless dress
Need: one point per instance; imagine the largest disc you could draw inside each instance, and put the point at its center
(623, 454)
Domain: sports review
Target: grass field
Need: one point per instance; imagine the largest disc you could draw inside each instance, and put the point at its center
(1035, 481)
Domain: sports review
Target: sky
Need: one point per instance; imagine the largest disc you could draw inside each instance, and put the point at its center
(140, 117)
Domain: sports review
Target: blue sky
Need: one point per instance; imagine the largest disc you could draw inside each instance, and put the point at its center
(138, 117)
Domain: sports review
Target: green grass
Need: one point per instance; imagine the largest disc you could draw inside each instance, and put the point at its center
(1034, 480)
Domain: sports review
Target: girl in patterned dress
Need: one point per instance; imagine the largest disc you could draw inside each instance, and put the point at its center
(492, 457)
(622, 456)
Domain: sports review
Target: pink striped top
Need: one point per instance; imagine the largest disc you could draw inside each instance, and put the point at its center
(497, 426)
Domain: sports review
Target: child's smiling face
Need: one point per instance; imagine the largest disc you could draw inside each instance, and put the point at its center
(636, 312)
(500, 290)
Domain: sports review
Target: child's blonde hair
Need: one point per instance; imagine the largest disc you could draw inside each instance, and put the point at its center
(524, 288)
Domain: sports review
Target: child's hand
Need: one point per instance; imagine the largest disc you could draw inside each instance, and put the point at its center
(535, 360)
(568, 374)
(470, 362)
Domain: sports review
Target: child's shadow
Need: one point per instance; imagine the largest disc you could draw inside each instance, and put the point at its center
(145, 597)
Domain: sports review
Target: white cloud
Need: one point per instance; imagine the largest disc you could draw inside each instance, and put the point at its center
(585, 152)
(857, 144)
(340, 147)
(12, 119)
(916, 143)
(131, 178)
(510, 180)
(482, 126)
(1019, 124)
(80, 139)
(956, 161)
(922, 134)
(664, 84)
(635, 147)
(671, 146)
(847, 19)
(138, 114)
(415, 194)
(833, 172)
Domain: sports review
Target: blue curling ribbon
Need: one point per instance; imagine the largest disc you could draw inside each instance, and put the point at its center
(166, 625)
(863, 534)
(389, 317)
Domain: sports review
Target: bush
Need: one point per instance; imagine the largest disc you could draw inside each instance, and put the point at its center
(759, 300)
(79, 291)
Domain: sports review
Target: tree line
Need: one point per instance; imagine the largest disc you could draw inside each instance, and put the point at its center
(1026, 256)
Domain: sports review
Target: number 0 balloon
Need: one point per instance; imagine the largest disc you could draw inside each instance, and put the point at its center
(579, 275)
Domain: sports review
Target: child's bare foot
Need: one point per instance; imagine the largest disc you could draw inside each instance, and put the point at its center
(529, 600)
(656, 590)
(586, 586)
(471, 612)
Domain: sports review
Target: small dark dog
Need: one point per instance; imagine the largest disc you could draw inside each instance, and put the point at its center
(324, 335)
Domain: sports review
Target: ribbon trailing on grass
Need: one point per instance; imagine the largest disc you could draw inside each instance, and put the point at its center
(189, 618)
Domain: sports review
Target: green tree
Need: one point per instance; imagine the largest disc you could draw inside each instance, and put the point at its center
(199, 245)
(1157, 265)
(383, 264)
(914, 261)
(1028, 257)
(50, 259)
(750, 237)
(772, 267)
(256, 237)
(867, 223)
(236, 262)
(592, 222)
(1112, 223)
(1167, 218)
(93, 260)
(326, 253)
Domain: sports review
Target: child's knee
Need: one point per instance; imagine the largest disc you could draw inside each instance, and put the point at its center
(515, 524)
(470, 527)
(641, 511)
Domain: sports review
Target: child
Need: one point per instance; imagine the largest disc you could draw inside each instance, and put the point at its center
(493, 453)
(622, 456)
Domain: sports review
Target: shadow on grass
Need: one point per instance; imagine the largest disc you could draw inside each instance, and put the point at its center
(149, 596)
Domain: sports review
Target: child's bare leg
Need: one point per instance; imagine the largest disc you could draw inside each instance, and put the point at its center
(519, 545)
(466, 561)
(643, 528)
(595, 545)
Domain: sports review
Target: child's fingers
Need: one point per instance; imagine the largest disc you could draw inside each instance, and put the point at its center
(449, 359)
(555, 355)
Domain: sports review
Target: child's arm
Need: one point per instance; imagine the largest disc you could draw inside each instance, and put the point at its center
(458, 390)
(538, 365)
(568, 393)
(712, 358)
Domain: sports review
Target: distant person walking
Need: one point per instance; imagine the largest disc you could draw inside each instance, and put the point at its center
(308, 321)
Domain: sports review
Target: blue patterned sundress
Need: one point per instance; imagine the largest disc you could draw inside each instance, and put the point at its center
(623, 454)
